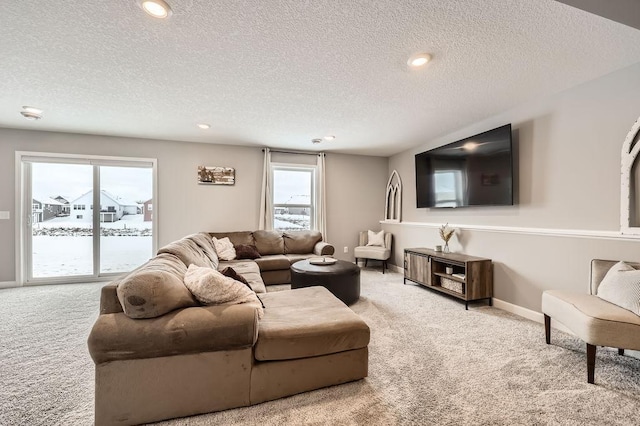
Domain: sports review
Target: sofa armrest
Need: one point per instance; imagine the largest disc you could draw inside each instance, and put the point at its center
(109, 302)
(323, 249)
(115, 336)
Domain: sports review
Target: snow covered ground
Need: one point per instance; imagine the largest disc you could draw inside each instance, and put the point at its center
(69, 252)
(68, 255)
(291, 222)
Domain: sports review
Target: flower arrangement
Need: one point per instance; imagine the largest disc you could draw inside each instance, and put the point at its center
(445, 234)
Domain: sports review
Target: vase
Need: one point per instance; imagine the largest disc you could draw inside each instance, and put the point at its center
(445, 249)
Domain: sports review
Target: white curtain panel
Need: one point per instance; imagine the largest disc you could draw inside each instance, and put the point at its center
(266, 200)
(321, 204)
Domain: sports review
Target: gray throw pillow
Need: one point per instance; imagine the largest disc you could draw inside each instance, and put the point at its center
(621, 286)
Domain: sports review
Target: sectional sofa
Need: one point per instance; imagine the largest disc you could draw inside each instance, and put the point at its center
(159, 354)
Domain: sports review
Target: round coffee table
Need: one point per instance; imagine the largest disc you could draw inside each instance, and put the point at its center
(341, 278)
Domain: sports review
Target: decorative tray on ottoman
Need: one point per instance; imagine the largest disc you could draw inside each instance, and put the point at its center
(322, 260)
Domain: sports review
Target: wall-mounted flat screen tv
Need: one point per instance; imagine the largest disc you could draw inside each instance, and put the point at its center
(476, 171)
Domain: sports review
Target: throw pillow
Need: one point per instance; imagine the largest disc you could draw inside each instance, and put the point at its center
(375, 238)
(244, 251)
(210, 287)
(224, 248)
(231, 273)
(621, 286)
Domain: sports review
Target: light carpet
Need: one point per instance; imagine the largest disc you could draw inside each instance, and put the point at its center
(430, 363)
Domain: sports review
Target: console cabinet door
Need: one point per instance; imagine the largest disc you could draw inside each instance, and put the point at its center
(417, 268)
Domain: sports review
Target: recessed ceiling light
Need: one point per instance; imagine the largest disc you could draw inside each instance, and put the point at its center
(30, 115)
(329, 138)
(32, 109)
(316, 140)
(156, 8)
(418, 60)
(204, 126)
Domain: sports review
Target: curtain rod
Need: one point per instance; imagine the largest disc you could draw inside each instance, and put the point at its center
(294, 152)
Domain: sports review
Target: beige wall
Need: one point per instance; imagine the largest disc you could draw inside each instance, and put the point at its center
(569, 178)
(355, 195)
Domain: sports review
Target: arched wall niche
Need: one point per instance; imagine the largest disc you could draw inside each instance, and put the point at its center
(630, 182)
(393, 200)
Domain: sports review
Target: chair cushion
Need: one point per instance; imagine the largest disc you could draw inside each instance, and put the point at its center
(621, 286)
(372, 252)
(592, 319)
(307, 322)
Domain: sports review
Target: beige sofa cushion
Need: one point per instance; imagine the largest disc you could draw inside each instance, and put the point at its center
(155, 288)
(300, 242)
(211, 287)
(204, 241)
(249, 270)
(307, 322)
(269, 242)
(237, 238)
(273, 262)
(188, 251)
(192, 330)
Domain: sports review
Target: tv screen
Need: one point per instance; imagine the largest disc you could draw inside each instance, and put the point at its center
(476, 171)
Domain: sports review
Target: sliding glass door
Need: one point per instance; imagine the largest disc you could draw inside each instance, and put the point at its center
(125, 222)
(83, 218)
(61, 236)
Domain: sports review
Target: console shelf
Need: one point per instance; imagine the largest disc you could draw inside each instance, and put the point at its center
(470, 277)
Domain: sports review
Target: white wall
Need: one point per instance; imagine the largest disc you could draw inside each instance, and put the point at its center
(355, 195)
(568, 174)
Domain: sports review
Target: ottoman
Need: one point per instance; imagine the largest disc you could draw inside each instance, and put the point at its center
(341, 278)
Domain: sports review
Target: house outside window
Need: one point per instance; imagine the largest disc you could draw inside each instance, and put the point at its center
(294, 197)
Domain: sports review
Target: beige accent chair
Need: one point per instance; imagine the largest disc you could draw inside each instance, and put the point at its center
(592, 319)
(363, 251)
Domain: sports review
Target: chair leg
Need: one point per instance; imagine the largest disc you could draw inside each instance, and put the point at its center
(591, 362)
(384, 265)
(620, 351)
(365, 262)
(547, 328)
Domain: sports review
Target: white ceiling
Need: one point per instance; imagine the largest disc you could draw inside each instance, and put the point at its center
(279, 73)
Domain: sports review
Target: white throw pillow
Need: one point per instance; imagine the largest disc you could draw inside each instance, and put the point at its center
(224, 248)
(375, 238)
(621, 286)
(210, 287)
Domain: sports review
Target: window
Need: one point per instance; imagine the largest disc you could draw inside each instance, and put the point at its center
(294, 198)
(150, 207)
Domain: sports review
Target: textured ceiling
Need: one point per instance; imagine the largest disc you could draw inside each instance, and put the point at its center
(279, 73)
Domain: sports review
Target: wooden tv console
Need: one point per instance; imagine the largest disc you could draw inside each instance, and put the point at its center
(471, 278)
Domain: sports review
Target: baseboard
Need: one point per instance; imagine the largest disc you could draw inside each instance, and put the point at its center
(395, 268)
(528, 314)
(8, 284)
